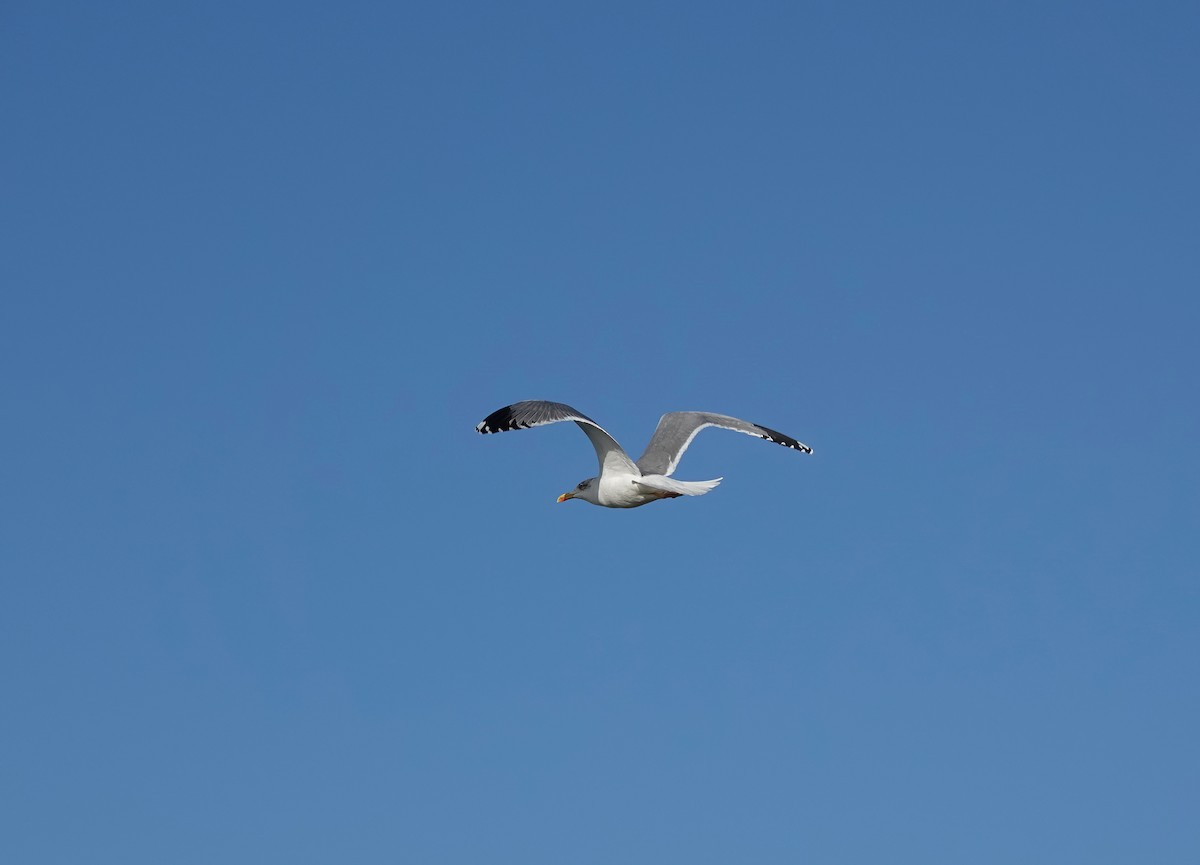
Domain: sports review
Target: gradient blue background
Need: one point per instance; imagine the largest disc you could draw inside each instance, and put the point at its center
(267, 597)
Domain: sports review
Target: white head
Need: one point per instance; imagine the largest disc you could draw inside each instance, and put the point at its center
(588, 490)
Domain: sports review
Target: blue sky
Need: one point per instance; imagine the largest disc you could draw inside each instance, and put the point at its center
(268, 597)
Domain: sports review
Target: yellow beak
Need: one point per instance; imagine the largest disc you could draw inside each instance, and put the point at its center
(565, 496)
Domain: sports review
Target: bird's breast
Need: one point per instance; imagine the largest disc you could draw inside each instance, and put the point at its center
(622, 492)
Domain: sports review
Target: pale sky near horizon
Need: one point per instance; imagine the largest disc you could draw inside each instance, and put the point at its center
(269, 597)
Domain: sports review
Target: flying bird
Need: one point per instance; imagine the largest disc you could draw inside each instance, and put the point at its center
(622, 482)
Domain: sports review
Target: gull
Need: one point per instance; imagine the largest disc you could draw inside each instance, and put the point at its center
(622, 482)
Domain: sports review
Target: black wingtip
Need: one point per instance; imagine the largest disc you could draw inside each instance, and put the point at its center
(781, 439)
(501, 420)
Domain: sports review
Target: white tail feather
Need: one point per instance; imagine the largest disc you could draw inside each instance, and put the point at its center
(671, 485)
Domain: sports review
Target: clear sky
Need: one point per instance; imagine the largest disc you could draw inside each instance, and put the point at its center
(268, 597)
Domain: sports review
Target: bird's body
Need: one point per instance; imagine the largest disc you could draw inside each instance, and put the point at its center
(615, 489)
(623, 483)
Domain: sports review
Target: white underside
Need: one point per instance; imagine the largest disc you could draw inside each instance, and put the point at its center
(628, 491)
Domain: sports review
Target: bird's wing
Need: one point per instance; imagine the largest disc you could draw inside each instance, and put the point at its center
(676, 430)
(536, 412)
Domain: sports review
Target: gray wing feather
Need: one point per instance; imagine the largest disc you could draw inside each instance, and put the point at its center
(677, 429)
(537, 412)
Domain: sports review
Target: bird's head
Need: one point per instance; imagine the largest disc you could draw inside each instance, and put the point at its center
(587, 490)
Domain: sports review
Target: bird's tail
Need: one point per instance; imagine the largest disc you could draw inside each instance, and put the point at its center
(680, 488)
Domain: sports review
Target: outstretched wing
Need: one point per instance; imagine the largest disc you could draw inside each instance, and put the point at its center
(676, 430)
(536, 412)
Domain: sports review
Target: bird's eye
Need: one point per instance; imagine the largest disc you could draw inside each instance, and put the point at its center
(582, 485)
